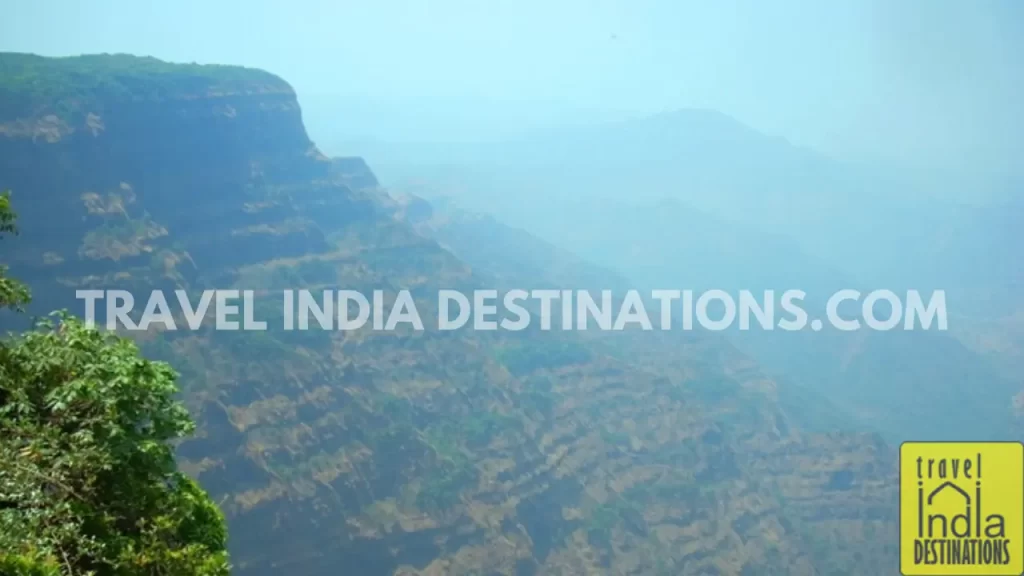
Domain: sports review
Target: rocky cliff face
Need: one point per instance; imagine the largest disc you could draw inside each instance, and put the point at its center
(188, 176)
(406, 452)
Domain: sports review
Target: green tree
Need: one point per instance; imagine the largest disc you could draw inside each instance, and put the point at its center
(88, 482)
(13, 294)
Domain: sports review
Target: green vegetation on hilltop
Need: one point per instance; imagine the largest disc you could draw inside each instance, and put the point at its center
(13, 294)
(71, 87)
(88, 482)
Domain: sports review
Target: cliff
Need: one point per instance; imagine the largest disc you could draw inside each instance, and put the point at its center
(408, 452)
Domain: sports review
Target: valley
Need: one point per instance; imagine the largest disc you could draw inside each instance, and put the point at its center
(413, 452)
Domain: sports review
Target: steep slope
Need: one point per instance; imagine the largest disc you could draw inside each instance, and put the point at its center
(693, 200)
(759, 416)
(404, 452)
(516, 258)
(906, 384)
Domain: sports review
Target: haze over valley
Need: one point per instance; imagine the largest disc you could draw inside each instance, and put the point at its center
(429, 146)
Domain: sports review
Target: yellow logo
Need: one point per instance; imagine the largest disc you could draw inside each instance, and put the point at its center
(962, 508)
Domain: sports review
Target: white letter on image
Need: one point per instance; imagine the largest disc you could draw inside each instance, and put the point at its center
(832, 310)
(404, 310)
(764, 311)
(523, 317)
(444, 321)
(916, 308)
(344, 297)
(119, 304)
(287, 307)
(702, 310)
(481, 309)
(157, 311)
(194, 317)
(90, 297)
(324, 316)
(585, 307)
(223, 309)
(249, 322)
(545, 297)
(632, 310)
(896, 312)
(799, 321)
(666, 297)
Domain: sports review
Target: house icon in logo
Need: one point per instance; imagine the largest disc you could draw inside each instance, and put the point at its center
(939, 523)
(948, 484)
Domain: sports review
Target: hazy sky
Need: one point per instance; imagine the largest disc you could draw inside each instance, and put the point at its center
(929, 81)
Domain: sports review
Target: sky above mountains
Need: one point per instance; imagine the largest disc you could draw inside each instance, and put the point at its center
(932, 83)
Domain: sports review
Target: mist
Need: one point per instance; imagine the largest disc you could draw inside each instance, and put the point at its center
(936, 85)
(798, 152)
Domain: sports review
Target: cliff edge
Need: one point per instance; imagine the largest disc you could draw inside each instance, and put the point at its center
(406, 452)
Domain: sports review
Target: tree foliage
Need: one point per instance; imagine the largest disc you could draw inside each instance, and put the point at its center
(88, 483)
(13, 294)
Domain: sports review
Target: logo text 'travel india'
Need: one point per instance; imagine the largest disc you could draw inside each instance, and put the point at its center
(962, 508)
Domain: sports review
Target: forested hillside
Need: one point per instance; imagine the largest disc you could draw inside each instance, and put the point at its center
(408, 452)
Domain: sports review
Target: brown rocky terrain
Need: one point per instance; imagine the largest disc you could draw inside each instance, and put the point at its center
(407, 452)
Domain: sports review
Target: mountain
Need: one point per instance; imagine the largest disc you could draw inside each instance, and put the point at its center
(695, 200)
(516, 258)
(879, 226)
(408, 451)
